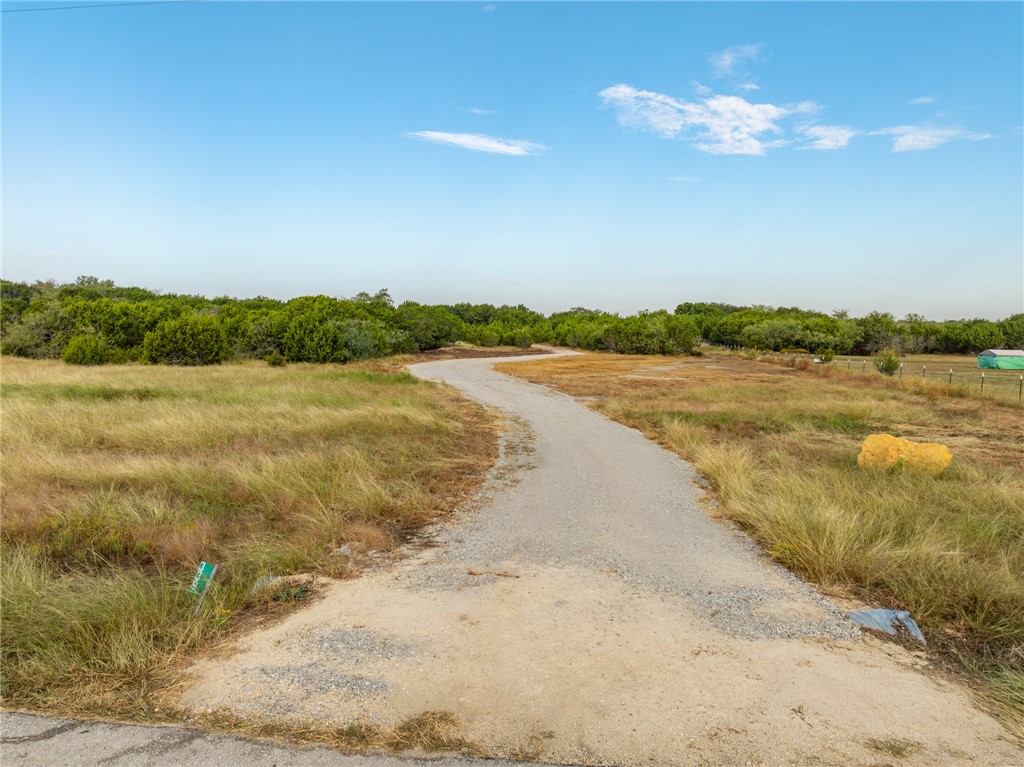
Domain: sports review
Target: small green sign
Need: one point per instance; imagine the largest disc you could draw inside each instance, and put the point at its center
(203, 577)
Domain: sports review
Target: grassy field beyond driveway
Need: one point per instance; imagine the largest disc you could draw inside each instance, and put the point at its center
(780, 449)
(117, 481)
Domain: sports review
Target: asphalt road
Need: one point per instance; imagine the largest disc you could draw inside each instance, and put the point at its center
(39, 741)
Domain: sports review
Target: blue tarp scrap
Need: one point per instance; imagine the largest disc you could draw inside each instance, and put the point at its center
(887, 621)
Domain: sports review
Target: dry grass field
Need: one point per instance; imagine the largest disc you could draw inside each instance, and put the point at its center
(780, 445)
(118, 480)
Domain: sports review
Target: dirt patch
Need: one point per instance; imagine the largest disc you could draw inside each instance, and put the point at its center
(571, 666)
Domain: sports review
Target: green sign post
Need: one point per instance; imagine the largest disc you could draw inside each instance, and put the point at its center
(200, 584)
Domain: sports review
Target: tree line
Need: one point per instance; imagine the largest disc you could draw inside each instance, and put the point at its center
(93, 321)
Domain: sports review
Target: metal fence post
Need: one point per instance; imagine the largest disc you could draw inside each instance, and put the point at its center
(1020, 389)
(951, 375)
(864, 366)
(983, 384)
(901, 370)
(923, 368)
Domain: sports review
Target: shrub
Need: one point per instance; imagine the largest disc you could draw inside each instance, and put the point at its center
(521, 337)
(887, 363)
(827, 356)
(682, 335)
(86, 350)
(188, 340)
(429, 327)
(42, 332)
(275, 359)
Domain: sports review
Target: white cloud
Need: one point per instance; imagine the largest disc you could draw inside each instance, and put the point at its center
(732, 125)
(700, 88)
(718, 124)
(912, 138)
(748, 87)
(685, 179)
(922, 100)
(727, 62)
(478, 142)
(490, 8)
(828, 136)
(478, 111)
(647, 110)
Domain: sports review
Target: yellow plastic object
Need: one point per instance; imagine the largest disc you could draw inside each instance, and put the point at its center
(885, 451)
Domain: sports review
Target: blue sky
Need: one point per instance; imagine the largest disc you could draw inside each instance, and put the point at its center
(612, 155)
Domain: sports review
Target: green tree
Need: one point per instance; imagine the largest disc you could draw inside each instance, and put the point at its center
(1013, 331)
(86, 350)
(878, 329)
(186, 340)
(42, 331)
(429, 327)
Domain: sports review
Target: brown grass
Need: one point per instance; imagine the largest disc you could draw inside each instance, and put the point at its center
(779, 446)
(431, 731)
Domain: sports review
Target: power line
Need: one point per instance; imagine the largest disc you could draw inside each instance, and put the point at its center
(97, 5)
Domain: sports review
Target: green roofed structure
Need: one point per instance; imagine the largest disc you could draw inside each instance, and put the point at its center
(1002, 359)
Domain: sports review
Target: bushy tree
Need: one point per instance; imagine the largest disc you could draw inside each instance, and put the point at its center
(1013, 331)
(429, 327)
(186, 340)
(43, 331)
(86, 350)
(878, 329)
(969, 336)
(682, 336)
(775, 335)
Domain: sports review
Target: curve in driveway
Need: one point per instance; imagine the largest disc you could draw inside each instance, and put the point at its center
(589, 611)
(604, 497)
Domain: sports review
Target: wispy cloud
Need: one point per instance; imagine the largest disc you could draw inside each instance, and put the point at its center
(748, 87)
(912, 138)
(734, 59)
(922, 100)
(733, 125)
(717, 125)
(478, 111)
(684, 179)
(827, 136)
(490, 8)
(477, 142)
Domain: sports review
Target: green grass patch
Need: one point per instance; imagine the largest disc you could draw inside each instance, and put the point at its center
(48, 392)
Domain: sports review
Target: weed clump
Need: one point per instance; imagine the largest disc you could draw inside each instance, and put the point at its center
(887, 363)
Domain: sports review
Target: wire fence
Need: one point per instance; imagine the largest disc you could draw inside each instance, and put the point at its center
(1003, 386)
(983, 383)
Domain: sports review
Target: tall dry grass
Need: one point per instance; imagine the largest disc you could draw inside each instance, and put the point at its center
(117, 481)
(780, 448)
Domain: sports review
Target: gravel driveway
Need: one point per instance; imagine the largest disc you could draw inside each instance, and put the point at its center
(590, 611)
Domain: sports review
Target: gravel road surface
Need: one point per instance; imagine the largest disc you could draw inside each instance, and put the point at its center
(604, 497)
